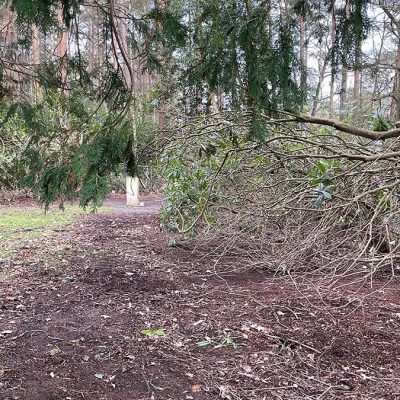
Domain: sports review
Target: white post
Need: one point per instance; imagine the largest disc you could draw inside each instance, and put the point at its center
(132, 191)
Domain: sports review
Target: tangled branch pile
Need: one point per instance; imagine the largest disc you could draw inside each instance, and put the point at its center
(301, 197)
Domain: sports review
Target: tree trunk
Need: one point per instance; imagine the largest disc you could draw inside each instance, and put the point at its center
(132, 191)
(90, 45)
(395, 25)
(343, 92)
(303, 58)
(357, 77)
(126, 69)
(115, 51)
(35, 58)
(397, 84)
(332, 85)
(62, 49)
(322, 72)
(161, 5)
(343, 82)
(376, 98)
(9, 40)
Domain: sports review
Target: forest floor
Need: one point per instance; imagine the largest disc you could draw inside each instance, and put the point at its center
(103, 308)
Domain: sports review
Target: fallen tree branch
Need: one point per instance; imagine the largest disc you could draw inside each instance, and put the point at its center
(340, 126)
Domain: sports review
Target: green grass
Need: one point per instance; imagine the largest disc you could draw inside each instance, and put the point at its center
(21, 235)
(26, 228)
(31, 222)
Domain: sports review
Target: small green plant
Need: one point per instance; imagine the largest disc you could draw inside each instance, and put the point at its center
(386, 202)
(153, 333)
(379, 124)
(321, 179)
(323, 193)
(224, 341)
(54, 351)
(323, 172)
(202, 343)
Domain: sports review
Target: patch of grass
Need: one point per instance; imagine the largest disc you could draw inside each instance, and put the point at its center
(22, 230)
(21, 235)
(5, 254)
(29, 222)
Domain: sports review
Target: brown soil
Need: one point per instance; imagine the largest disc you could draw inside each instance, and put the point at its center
(73, 310)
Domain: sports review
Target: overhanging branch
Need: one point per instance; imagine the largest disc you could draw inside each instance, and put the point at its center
(352, 130)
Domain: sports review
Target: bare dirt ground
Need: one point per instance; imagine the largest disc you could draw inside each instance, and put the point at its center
(73, 309)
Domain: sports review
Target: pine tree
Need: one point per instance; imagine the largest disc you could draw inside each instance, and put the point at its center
(247, 56)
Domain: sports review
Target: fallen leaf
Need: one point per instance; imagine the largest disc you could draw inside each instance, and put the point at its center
(54, 351)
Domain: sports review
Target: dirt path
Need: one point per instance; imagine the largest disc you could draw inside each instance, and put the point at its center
(72, 319)
(146, 207)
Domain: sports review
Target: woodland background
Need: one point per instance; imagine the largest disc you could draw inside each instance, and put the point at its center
(273, 125)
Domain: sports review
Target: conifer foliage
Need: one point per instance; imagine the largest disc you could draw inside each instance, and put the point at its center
(125, 59)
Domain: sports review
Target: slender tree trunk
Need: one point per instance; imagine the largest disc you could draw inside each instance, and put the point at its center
(397, 83)
(35, 58)
(343, 92)
(395, 25)
(214, 106)
(62, 49)
(344, 79)
(357, 77)
(90, 45)
(161, 5)
(303, 58)
(101, 48)
(10, 39)
(375, 93)
(332, 84)
(124, 43)
(322, 72)
(119, 44)
(9, 29)
(115, 51)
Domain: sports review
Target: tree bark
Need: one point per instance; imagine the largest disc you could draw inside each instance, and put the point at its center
(397, 83)
(303, 58)
(90, 45)
(352, 130)
(344, 79)
(162, 6)
(35, 58)
(322, 72)
(395, 24)
(62, 49)
(332, 84)
(357, 79)
(124, 42)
